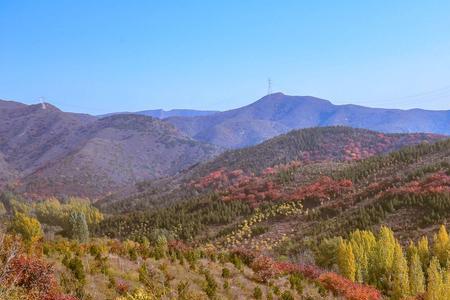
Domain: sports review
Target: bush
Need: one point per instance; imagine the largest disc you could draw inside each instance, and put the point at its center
(226, 273)
(257, 293)
(286, 295)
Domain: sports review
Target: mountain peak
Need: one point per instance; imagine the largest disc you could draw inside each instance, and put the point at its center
(44, 106)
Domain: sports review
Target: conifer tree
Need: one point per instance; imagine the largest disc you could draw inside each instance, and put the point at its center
(435, 283)
(346, 260)
(400, 286)
(416, 276)
(441, 245)
(78, 225)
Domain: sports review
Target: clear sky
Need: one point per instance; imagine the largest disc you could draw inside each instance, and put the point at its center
(101, 56)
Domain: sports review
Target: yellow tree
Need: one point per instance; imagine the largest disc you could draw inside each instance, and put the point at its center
(446, 280)
(382, 259)
(423, 250)
(416, 276)
(29, 228)
(411, 250)
(441, 245)
(400, 284)
(346, 260)
(363, 243)
(435, 283)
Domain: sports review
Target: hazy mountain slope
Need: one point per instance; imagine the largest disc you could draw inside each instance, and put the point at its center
(278, 113)
(51, 151)
(119, 151)
(7, 173)
(162, 114)
(33, 135)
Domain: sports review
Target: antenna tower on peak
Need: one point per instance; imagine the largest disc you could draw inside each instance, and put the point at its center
(42, 100)
(269, 86)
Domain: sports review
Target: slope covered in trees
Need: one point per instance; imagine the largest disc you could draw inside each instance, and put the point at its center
(290, 211)
(316, 149)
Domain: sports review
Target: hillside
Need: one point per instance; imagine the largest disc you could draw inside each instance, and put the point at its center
(118, 152)
(47, 151)
(341, 197)
(34, 135)
(303, 213)
(278, 113)
(314, 147)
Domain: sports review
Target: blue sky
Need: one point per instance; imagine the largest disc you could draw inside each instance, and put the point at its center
(102, 56)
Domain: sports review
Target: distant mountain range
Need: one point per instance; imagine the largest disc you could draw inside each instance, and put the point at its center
(162, 114)
(47, 151)
(278, 113)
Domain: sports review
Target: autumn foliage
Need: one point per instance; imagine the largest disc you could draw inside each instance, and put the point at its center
(347, 288)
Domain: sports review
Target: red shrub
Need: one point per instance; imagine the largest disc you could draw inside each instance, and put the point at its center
(347, 288)
(34, 275)
(122, 287)
(264, 268)
(177, 245)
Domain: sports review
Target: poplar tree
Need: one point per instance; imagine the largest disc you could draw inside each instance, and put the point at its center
(441, 245)
(435, 283)
(362, 243)
(424, 252)
(411, 250)
(346, 260)
(400, 286)
(416, 276)
(382, 259)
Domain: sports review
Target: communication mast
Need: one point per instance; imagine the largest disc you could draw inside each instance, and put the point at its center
(269, 86)
(42, 100)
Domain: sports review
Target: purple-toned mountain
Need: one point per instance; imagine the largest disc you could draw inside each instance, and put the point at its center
(278, 113)
(50, 152)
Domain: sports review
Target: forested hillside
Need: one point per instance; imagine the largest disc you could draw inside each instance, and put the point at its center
(300, 211)
(313, 148)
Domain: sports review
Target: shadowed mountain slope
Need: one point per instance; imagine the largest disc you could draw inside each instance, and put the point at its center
(54, 152)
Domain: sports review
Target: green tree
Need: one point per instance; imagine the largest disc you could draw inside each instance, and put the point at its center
(160, 247)
(78, 226)
(416, 276)
(326, 252)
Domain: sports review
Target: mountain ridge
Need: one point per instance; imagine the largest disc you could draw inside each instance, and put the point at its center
(277, 113)
(45, 151)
